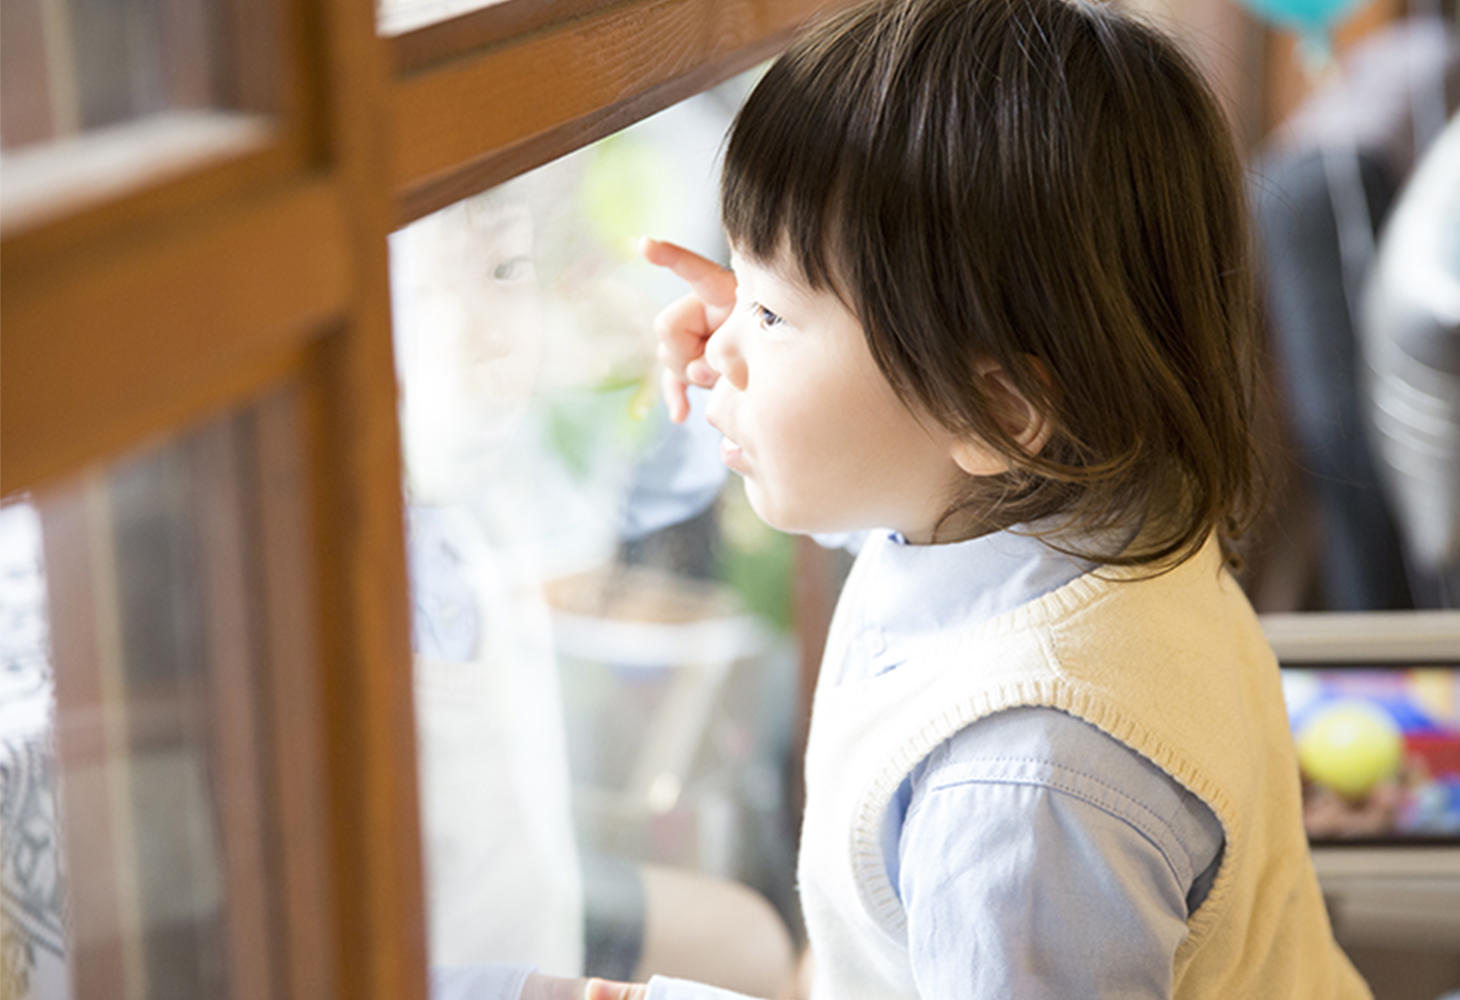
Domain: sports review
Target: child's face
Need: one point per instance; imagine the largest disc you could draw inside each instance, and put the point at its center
(823, 442)
(468, 338)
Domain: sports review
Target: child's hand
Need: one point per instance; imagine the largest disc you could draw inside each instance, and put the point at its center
(602, 989)
(541, 987)
(683, 327)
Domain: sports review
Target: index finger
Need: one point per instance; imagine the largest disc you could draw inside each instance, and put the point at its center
(714, 284)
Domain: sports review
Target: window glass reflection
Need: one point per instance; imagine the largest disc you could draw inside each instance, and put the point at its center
(604, 667)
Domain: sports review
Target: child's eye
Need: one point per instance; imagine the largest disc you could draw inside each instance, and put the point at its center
(514, 269)
(765, 317)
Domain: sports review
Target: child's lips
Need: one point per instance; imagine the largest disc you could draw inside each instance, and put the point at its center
(730, 453)
(732, 456)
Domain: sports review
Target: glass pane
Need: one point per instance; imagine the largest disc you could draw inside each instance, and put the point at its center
(605, 672)
(97, 93)
(135, 652)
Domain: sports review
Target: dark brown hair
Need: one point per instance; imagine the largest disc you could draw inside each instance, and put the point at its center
(1047, 183)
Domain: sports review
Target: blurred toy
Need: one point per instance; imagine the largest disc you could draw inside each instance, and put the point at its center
(1350, 747)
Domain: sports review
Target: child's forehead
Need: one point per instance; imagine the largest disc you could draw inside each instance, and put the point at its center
(779, 268)
(499, 214)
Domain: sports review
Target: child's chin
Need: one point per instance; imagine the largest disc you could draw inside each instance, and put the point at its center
(765, 508)
(784, 518)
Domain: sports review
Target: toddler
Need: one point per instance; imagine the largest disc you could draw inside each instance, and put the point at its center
(990, 302)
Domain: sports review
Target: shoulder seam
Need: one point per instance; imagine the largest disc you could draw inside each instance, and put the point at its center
(1058, 778)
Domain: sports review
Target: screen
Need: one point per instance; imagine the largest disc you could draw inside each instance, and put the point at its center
(1379, 750)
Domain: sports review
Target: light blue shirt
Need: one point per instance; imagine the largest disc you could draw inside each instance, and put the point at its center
(913, 591)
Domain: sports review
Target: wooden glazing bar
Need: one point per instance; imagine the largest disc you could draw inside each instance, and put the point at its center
(472, 120)
(114, 347)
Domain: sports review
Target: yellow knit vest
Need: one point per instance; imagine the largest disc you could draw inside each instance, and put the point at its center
(1174, 666)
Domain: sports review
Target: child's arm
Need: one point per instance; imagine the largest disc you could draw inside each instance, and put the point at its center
(1073, 881)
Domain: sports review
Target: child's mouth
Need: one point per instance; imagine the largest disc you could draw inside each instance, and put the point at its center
(730, 452)
(732, 456)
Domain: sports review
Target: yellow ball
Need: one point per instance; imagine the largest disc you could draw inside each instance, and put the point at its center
(1350, 747)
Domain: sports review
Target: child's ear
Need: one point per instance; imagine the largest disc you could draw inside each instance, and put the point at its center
(978, 459)
(1026, 424)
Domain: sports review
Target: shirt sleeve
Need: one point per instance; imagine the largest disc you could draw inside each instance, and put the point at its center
(1039, 867)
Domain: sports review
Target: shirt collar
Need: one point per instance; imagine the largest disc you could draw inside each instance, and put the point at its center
(915, 590)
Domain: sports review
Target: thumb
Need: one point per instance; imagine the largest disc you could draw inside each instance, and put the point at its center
(715, 285)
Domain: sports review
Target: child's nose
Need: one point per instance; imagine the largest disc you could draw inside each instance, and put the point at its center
(722, 352)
